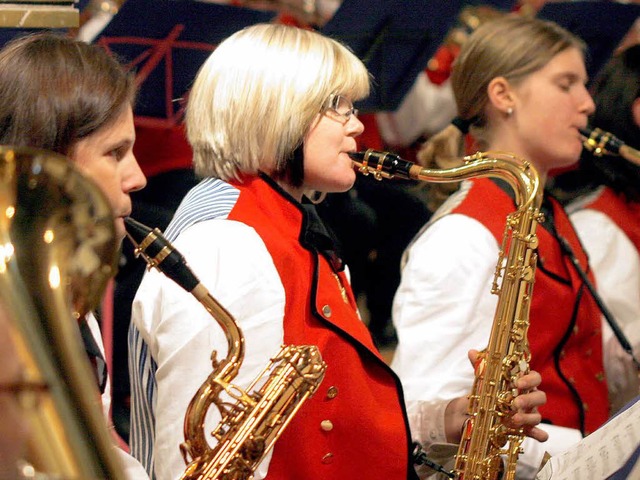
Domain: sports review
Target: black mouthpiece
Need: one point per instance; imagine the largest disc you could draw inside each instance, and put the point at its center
(158, 252)
(136, 230)
(389, 163)
(601, 142)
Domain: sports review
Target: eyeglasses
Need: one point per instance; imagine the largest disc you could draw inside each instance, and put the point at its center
(341, 106)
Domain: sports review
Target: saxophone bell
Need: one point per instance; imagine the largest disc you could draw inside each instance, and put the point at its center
(600, 142)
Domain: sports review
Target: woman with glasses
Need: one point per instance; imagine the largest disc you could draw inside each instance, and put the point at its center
(271, 123)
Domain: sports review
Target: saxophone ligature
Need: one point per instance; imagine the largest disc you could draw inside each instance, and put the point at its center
(249, 427)
(489, 447)
(600, 143)
(57, 252)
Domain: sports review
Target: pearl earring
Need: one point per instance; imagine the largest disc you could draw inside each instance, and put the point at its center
(509, 111)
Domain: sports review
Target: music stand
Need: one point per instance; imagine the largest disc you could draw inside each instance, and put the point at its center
(396, 39)
(166, 42)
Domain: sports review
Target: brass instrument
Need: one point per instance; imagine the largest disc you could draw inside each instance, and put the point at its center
(488, 445)
(57, 252)
(602, 143)
(250, 427)
(39, 14)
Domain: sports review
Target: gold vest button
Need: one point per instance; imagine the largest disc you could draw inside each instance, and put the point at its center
(326, 425)
(327, 459)
(326, 311)
(332, 392)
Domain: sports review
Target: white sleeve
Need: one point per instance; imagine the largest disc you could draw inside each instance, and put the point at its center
(231, 260)
(444, 308)
(133, 470)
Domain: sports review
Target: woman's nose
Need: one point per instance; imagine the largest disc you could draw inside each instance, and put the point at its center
(135, 179)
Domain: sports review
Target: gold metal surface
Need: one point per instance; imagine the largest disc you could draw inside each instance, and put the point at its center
(488, 445)
(39, 14)
(252, 419)
(59, 251)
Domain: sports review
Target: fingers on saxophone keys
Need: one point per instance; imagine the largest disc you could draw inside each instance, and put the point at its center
(529, 402)
(529, 381)
(537, 434)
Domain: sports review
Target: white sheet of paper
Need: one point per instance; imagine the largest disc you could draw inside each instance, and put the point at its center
(600, 454)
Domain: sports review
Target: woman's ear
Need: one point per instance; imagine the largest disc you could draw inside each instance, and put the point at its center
(635, 111)
(500, 95)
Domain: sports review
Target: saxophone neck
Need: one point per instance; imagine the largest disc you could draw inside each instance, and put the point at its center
(521, 175)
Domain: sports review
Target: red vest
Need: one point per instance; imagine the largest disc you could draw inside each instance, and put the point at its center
(625, 214)
(355, 426)
(565, 335)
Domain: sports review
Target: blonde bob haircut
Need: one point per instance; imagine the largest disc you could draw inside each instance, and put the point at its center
(260, 92)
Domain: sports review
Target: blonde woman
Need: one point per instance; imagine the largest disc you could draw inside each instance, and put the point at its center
(271, 121)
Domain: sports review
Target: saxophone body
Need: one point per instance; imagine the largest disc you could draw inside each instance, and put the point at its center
(489, 447)
(57, 252)
(252, 419)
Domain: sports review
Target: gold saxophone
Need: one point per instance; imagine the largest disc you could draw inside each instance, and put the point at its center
(57, 252)
(488, 445)
(250, 426)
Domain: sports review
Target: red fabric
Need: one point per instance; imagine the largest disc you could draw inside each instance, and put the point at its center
(160, 150)
(554, 299)
(439, 67)
(370, 138)
(370, 437)
(625, 214)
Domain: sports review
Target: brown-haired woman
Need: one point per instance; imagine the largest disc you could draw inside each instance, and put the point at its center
(74, 99)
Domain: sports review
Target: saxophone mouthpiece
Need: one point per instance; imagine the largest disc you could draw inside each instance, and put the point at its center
(158, 252)
(136, 231)
(601, 143)
(383, 165)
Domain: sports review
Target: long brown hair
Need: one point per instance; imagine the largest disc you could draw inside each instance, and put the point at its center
(56, 91)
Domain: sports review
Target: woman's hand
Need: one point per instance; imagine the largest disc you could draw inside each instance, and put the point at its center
(525, 408)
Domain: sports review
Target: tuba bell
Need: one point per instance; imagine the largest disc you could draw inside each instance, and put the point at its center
(57, 252)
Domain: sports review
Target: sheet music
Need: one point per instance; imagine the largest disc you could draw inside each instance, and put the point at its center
(600, 454)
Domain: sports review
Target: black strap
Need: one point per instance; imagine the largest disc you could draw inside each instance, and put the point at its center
(318, 235)
(549, 225)
(617, 331)
(95, 355)
(420, 458)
